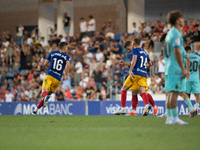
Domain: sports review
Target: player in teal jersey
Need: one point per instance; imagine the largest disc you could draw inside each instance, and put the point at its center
(192, 84)
(175, 72)
(183, 94)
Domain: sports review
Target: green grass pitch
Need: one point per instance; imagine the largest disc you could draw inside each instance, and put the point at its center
(97, 133)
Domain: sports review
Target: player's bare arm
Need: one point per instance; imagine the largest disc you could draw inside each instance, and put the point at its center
(188, 67)
(179, 60)
(124, 63)
(149, 64)
(134, 60)
(66, 70)
(46, 63)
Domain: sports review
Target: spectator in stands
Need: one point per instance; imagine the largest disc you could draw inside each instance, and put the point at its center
(67, 94)
(91, 26)
(79, 70)
(158, 90)
(144, 35)
(103, 29)
(134, 29)
(85, 41)
(157, 80)
(197, 50)
(186, 27)
(109, 31)
(67, 82)
(4, 71)
(20, 31)
(33, 98)
(163, 81)
(152, 85)
(116, 48)
(66, 23)
(9, 96)
(88, 91)
(83, 28)
(43, 42)
(59, 94)
(161, 65)
(196, 36)
(62, 39)
(97, 74)
(145, 27)
(5, 43)
(103, 93)
(99, 55)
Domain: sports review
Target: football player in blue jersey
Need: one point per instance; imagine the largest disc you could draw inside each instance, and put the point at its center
(137, 80)
(57, 62)
(135, 89)
(175, 72)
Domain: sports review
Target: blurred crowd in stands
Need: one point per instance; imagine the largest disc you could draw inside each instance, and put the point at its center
(95, 71)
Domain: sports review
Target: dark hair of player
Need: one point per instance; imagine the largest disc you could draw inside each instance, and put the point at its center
(187, 48)
(173, 16)
(127, 43)
(162, 39)
(91, 16)
(62, 45)
(137, 41)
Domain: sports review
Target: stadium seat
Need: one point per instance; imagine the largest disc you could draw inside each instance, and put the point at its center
(117, 37)
(22, 71)
(72, 40)
(10, 74)
(9, 80)
(122, 34)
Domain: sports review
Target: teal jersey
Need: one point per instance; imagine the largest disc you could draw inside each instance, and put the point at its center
(194, 67)
(173, 39)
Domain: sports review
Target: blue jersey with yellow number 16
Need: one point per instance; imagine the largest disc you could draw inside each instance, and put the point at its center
(57, 64)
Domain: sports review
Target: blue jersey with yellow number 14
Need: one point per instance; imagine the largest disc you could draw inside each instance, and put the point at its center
(140, 67)
(57, 64)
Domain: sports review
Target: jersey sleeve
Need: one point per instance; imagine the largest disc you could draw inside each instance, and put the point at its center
(68, 58)
(148, 59)
(134, 52)
(176, 41)
(49, 57)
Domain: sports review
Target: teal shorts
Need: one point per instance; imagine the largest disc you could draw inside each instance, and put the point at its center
(175, 83)
(192, 87)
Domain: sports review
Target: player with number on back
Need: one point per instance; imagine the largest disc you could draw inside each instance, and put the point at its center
(175, 72)
(59, 61)
(192, 84)
(137, 79)
(128, 45)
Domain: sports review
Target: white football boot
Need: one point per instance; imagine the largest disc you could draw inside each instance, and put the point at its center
(45, 103)
(121, 111)
(146, 110)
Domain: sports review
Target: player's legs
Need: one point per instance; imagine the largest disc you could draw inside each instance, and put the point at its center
(134, 103)
(187, 101)
(151, 101)
(143, 87)
(48, 87)
(197, 96)
(145, 100)
(127, 84)
(165, 114)
(172, 110)
(195, 86)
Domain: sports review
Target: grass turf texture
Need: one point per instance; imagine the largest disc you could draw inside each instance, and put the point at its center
(96, 132)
